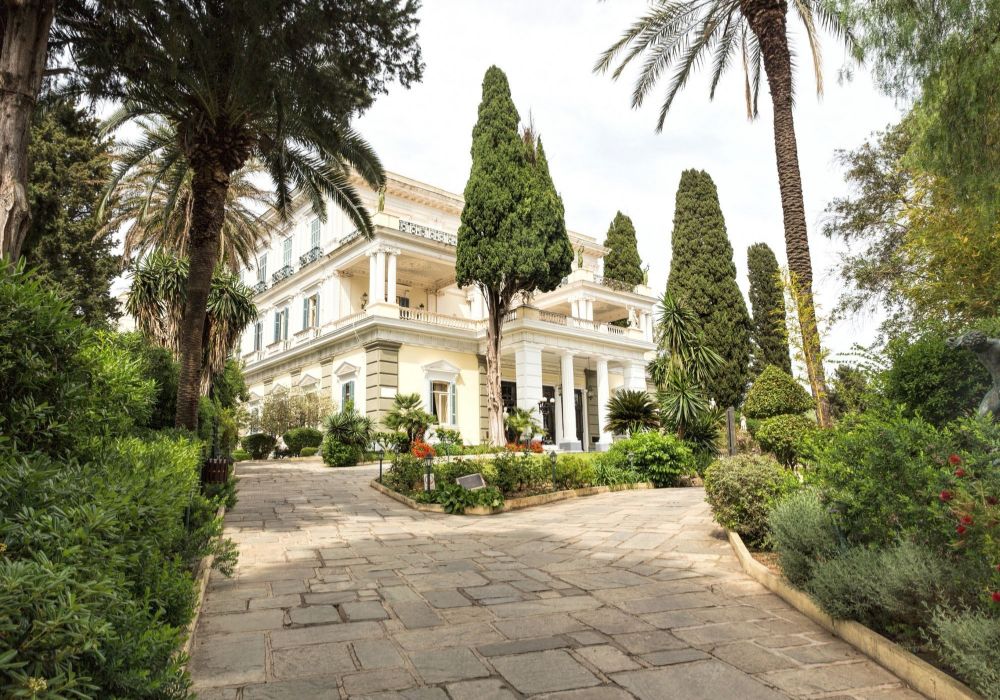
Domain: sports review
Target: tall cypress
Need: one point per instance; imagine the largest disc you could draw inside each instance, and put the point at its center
(703, 276)
(768, 334)
(512, 238)
(622, 261)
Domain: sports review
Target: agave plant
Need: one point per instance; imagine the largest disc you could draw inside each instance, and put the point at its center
(682, 400)
(350, 428)
(631, 411)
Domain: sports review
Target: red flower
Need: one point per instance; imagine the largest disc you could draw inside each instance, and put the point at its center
(959, 472)
(960, 529)
(955, 459)
(421, 449)
(966, 519)
(996, 596)
(992, 500)
(946, 496)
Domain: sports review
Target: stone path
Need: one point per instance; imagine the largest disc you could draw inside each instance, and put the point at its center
(342, 592)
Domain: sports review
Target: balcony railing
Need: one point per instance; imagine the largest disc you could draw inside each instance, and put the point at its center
(617, 285)
(259, 287)
(534, 314)
(422, 316)
(282, 273)
(427, 232)
(586, 275)
(314, 254)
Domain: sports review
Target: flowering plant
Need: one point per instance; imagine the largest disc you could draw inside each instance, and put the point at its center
(422, 450)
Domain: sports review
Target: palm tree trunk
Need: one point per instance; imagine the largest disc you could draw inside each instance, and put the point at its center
(497, 309)
(209, 185)
(25, 36)
(767, 20)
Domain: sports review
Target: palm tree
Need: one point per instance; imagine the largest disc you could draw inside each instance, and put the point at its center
(408, 414)
(150, 198)
(524, 424)
(267, 80)
(631, 411)
(157, 299)
(681, 34)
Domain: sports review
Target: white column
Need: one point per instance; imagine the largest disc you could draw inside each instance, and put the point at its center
(574, 308)
(569, 441)
(558, 410)
(379, 277)
(635, 376)
(528, 373)
(603, 395)
(329, 307)
(391, 282)
(590, 309)
(372, 277)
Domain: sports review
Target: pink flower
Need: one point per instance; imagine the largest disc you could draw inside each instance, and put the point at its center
(946, 496)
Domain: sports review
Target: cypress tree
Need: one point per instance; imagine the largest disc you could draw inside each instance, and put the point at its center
(622, 262)
(512, 238)
(768, 335)
(703, 277)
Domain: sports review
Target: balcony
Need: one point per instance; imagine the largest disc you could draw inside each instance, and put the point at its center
(427, 232)
(282, 273)
(314, 254)
(259, 287)
(422, 316)
(585, 275)
(530, 313)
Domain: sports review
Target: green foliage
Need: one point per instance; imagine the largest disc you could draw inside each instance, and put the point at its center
(743, 489)
(391, 442)
(631, 411)
(768, 330)
(888, 589)
(298, 438)
(408, 415)
(405, 472)
(574, 471)
(259, 445)
(240, 455)
(967, 641)
(804, 534)
(456, 499)
(704, 436)
(661, 459)
(518, 473)
(849, 388)
(622, 262)
(785, 436)
(703, 276)
(70, 162)
(932, 380)
(775, 393)
(348, 427)
(337, 454)
(449, 441)
(523, 423)
(308, 451)
(607, 473)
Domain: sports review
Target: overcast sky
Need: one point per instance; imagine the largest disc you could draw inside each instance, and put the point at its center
(605, 156)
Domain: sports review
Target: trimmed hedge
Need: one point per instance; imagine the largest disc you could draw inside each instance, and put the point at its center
(775, 393)
(743, 489)
(259, 445)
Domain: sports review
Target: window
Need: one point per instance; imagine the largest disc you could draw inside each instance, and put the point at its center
(403, 302)
(262, 268)
(443, 402)
(281, 325)
(287, 252)
(310, 311)
(347, 394)
(258, 335)
(314, 234)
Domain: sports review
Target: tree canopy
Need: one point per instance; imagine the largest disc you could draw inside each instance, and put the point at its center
(622, 262)
(768, 330)
(703, 277)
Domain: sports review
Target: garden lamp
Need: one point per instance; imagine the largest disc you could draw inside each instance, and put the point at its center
(429, 461)
(552, 459)
(381, 454)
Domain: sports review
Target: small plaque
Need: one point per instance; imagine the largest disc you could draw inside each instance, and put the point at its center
(472, 482)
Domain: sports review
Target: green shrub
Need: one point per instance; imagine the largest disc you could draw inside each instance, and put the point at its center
(890, 589)
(784, 436)
(308, 451)
(933, 381)
(405, 473)
(445, 472)
(240, 455)
(804, 534)
(259, 445)
(337, 454)
(518, 473)
(743, 489)
(661, 459)
(297, 438)
(573, 471)
(967, 642)
(449, 441)
(607, 474)
(774, 393)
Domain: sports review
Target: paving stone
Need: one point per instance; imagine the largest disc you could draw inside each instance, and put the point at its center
(675, 656)
(314, 614)
(315, 661)
(411, 694)
(751, 658)
(606, 658)
(242, 622)
(450, 598)
(612, 621)
(443, 665)
(543, 672)
(541, 607)
(828, 679)
(292, 690)
(228, 659)
(492, 591)
(346, 632)
(487, 689)
(377, 653)
(416, 614)
(333, 598)
(823, 653)
(472, 634)
(700, 680)
(602, 692)
(215, 693)
(538, 626)
(399, 594)
(523, 645)
(288, 600)
(369, 682)
(371, 610)
(645, 642)
(589, 637)
(672, 602)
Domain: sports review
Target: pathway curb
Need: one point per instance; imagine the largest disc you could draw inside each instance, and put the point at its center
(201, 583)
(917, 673)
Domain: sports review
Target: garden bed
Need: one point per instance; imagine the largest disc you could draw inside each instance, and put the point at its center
(201, 574)
(511, 503)
(917, 673)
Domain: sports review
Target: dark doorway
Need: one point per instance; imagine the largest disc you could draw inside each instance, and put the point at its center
(548, 413)
(578, 403)
(508, 395)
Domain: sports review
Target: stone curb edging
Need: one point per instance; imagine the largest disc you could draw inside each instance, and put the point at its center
(513, 503)
(204, 571)
(917, 673)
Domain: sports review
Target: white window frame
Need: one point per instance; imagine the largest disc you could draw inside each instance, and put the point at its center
(314, 233)
(262, 268)
(286, 251)
(442, 372)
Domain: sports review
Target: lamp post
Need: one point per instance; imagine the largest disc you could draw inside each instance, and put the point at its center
(429, 462)
(381, 454)
(552, 460)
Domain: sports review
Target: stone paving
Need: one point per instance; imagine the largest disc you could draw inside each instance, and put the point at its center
(342, 592)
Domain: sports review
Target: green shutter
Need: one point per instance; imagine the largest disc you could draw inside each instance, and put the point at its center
(453, 394)
(314, 235)
(284, 329)
(305, 312)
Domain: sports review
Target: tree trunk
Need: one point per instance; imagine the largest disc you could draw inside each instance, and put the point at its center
(497, 309)
(209, 186)
(25, 30)
(767, 20)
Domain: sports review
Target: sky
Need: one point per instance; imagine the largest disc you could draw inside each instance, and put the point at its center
(603, 155)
